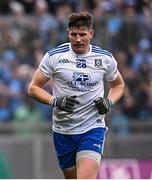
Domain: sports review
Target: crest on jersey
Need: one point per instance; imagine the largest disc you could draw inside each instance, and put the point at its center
(98, 63)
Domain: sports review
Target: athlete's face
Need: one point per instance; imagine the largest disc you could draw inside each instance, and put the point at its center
(80, 39)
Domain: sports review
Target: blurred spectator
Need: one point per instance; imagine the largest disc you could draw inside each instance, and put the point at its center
(27, 118)
(129, 33)
(47, 24)
(143, 55)
(145, 99)
(62, 12)
(119, 122)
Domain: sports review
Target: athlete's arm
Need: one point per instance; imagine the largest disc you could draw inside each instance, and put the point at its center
(36, 90)
(116, 89)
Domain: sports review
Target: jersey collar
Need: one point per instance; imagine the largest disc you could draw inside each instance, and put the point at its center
(81, 55)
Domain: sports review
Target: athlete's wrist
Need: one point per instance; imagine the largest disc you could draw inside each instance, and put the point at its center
(111, 103)
(52, 101)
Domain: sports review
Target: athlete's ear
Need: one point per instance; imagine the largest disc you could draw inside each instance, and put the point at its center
(92, 33)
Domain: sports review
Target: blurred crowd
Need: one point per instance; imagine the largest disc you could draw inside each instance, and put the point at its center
(28, 28)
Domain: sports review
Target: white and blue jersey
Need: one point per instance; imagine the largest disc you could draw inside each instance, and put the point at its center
(82, 75)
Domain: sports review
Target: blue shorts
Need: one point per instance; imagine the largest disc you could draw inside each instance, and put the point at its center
(67, 146)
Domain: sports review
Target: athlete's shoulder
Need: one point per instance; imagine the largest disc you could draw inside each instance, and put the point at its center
(99, 50)
(62, 48)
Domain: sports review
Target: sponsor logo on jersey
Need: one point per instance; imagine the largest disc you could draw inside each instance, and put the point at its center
(82, 77)
(63, 61)
(98, 63)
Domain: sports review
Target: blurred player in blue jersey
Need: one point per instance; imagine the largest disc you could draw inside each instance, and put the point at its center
(77, 71)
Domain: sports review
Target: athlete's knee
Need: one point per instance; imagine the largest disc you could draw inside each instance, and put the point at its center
(87, 168)
(88, 163)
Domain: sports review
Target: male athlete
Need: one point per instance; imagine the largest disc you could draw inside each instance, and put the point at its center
(77, 71)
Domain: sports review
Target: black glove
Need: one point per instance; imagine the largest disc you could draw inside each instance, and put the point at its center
(65, 103)
(103, 105)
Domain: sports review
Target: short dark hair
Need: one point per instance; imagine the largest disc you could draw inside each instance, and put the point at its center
(82, 19)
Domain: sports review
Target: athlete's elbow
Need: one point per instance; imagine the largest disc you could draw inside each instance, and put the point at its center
(30, 90)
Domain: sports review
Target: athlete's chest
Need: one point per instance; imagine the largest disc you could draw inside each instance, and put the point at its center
(82, 69)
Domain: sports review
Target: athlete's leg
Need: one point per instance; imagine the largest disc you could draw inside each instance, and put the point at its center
(65, 147)
(89, 153)
(88, 163)
(70, 173)
(87, 168)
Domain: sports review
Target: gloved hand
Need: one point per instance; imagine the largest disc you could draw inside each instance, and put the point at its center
(65, 103)
(103, 105)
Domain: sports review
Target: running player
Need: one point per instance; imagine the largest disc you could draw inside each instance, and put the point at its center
(77, 71)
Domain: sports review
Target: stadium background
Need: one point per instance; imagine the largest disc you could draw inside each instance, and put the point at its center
(28, 28)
